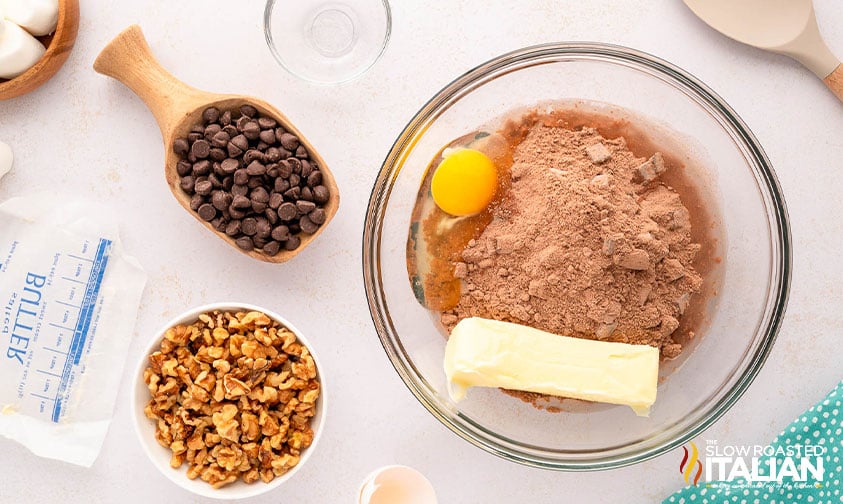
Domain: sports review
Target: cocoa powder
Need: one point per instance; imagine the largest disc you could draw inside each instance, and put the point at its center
(588, 242)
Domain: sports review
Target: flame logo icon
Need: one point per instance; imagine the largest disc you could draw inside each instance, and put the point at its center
(690, 463)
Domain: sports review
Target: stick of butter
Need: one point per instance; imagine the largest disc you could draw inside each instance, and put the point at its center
(489, 353)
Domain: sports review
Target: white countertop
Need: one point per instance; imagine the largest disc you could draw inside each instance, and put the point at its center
(88, 135)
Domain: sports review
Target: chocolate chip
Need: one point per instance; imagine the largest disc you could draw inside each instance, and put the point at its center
(273, 154)
(263, 227)
(241, 122)
(292, 193)
(295, 163)
(318, 216)
(233, 150)
(289, 141)
(275, 200)
(186, 184)
(239, 190)
(245, 243)
(180, 146)
(231, 130)
(241, 177)
(280, 185)
(307, 225)
(271, 216)
(248, 111)
(285, 169)
(233, 228)
(305, 207)
(295, 180)
(221, 200)
(241, 202)
(235, 213)
(314, 179)
(259, 194)
(207, 212)
(255, 181)
(215, 180)
(267, 123)
(287, 211)
(203, 187)
(241, 142)
(200, 148)
(251, 130)
(306, 168)
(249, 226)
(258, 241)
(221, 139)
(217, 154)
(301, 152)
(211, 130)
(196, 201)
(230, 166)
(259, 207)
(225, 118)
(271, 248)
(202, 168)
(194, 136)
(280, 233)
(183, 168)
(252, 155)
(321, 195)
(267, 137)
(256, 168)
(272, 170)
(211, 115)
(292, 243)
(306, 194)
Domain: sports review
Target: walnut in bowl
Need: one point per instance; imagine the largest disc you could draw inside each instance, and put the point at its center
(229, 400)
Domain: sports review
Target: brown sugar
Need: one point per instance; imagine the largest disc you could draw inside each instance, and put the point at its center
(588, 242)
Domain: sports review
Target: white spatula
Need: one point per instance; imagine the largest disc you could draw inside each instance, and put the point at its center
(784, 26)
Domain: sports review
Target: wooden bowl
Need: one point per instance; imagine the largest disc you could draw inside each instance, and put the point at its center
(58, 45)
(177, 107)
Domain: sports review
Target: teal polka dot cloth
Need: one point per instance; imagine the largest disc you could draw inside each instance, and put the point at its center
(817, 434)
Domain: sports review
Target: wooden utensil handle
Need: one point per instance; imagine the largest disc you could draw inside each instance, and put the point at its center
(835, 81)
(129, 59)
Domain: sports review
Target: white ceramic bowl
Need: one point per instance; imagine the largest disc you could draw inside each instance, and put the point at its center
(160, 456)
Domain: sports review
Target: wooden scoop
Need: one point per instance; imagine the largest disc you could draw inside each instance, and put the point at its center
(787, 27)
(177, 107)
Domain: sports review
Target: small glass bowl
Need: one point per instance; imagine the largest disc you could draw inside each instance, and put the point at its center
(752, 294)
(327, 41)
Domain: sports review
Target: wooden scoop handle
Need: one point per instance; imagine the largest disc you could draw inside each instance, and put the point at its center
(129, 59)
(834, 81)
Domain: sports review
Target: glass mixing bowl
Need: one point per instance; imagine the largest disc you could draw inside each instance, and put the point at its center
(755, 245)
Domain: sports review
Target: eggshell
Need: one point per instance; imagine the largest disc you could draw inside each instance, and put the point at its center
(397, 484)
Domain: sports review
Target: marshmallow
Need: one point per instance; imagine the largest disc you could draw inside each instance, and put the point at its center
(38, 17)
(19, 50)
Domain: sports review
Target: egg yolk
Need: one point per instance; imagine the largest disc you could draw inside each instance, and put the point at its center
(464, 183)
